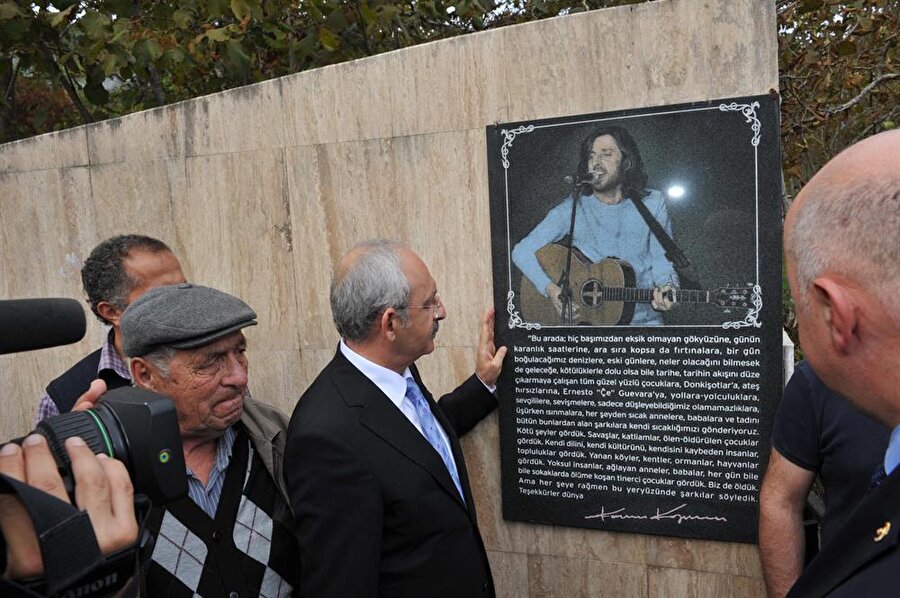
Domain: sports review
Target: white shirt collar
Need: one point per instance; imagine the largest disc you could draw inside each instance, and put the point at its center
(388, 381)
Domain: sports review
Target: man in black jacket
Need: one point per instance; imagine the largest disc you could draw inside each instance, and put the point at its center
(376, 477)
(118, 271)
(841, 242)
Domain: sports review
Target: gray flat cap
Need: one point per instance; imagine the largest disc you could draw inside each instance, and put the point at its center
(183, 316)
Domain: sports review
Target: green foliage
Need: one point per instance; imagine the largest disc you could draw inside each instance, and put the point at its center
(157, 52)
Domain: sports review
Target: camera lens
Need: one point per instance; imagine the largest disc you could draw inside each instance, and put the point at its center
(91, 427)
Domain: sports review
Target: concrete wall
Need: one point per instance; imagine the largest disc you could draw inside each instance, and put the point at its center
(260, 189)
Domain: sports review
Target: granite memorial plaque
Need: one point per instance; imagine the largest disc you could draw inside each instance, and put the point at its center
(637, 282)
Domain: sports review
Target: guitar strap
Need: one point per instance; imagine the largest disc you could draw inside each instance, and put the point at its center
(687, 273)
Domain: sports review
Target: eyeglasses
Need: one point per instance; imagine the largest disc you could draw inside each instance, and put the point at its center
(434, 305)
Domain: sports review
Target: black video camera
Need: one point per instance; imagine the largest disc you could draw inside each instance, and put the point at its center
(133, 425)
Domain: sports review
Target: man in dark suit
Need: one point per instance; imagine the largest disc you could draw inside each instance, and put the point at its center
(842, 242)
(375, 473)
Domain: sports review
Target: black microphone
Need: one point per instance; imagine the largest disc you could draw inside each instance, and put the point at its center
(587, 179)
(28, 324)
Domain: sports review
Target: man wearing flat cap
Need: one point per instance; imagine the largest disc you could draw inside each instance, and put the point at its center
(231, 536)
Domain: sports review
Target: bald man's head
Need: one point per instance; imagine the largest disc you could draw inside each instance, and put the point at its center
(846, 221)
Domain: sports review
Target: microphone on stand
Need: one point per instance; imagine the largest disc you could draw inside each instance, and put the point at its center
(586, 179)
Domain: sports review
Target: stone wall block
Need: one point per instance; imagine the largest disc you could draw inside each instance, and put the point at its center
(483, 86)
(60, 149)
(704, 555)
(309, 100)
(612, 547)
(139, 200)
(442, 182)
(510, 572)
(243, 246)
(557, 577)
(242, 119)
(312, 361)
(275, 375)
(19, 375)
(358, 193)
(149, 135)
(664, 583)
(45, 220)
(428, 91)
(564, 84)
(313, 257)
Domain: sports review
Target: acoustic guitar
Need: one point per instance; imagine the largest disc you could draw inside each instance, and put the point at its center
(604, 293)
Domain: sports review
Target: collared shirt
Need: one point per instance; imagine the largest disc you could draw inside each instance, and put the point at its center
(892, 456)
(394, 386)
(207, 497)
(109, 360)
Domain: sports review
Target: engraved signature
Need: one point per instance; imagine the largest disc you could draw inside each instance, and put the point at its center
(603, 515)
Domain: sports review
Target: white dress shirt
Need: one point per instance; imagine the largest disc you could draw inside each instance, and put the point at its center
(393, 385)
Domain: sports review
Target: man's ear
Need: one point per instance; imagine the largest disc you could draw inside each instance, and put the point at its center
(143, 374)
(388, 323)
(109, 312)
(839, 311)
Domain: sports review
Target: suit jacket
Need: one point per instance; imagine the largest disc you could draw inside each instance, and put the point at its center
(376, 512)
(863, 558)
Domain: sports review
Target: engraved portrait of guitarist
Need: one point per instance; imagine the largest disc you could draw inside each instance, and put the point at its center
(613, 247)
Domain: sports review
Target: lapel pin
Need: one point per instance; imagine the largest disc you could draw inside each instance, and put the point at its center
(882, 532)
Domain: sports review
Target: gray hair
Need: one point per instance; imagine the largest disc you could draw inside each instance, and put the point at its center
(161, 357)
(853, 228)
(373, 283)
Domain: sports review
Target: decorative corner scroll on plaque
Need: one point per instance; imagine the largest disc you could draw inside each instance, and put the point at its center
(515, 320)
(751, 318)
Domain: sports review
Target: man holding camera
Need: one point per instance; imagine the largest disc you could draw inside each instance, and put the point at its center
(232, 535)
(118, 271)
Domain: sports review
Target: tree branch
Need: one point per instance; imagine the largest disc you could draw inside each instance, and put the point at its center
(861, 94)
(871, 128)
(156, 86)
(66, 82)
(8, 94)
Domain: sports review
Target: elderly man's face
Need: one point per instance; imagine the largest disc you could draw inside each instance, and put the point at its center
(208, 386)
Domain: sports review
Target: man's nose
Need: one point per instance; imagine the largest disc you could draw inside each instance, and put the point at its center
(236, 375)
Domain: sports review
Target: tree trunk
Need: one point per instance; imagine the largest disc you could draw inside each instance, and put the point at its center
(8, 74)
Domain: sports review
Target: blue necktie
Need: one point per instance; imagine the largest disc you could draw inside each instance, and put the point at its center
(430, 430)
